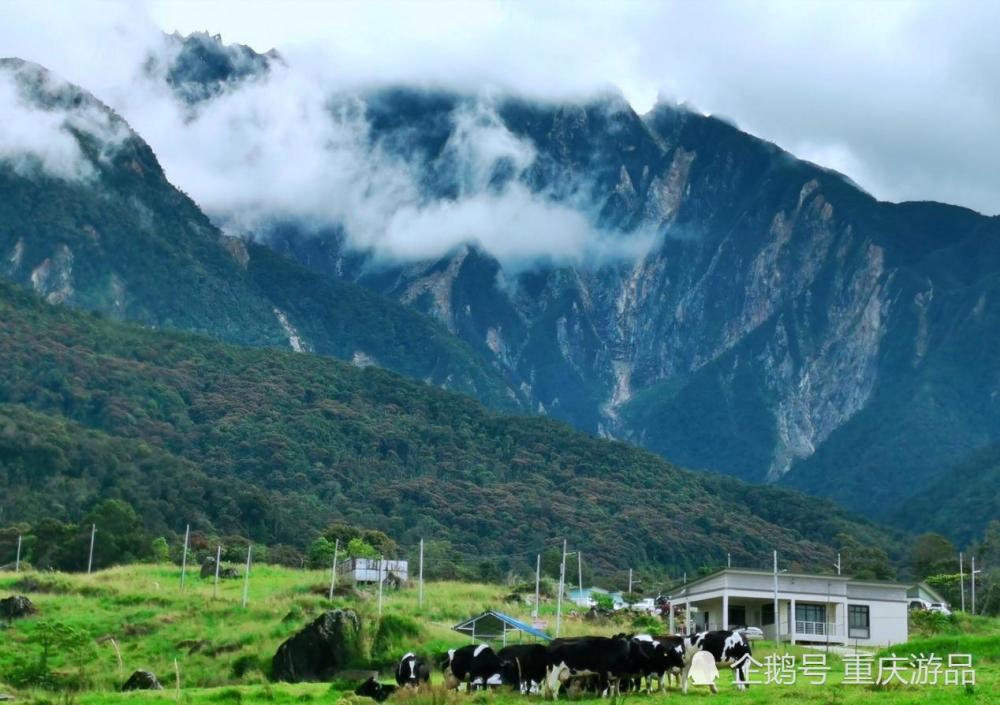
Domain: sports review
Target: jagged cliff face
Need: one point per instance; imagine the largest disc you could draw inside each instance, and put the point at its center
(734, 309)
(780, 310)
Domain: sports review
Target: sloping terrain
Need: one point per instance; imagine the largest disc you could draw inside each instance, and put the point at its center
(787, 327)
(114, 236)
(320, 439)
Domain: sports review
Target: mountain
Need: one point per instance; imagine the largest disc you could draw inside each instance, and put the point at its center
(101, 228)
(955, 504)
(784, 326)
(732, 308)
(276, 444)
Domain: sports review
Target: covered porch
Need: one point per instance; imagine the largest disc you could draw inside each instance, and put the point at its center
(800, 620)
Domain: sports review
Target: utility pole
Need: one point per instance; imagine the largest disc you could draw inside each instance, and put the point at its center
(973, 574)
(17, 561)
(777, 615)
(184, 555)
(838, 563)
(579, 571)
(90, 559)
(420, 602)
(246, 577)
(333, 568)
(729, 560)
(380, 564)
(562, 584)
(218, 562)
(961, 577)
(629, 581)
(538, 582)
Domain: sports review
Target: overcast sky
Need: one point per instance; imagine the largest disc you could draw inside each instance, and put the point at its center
(903, 97)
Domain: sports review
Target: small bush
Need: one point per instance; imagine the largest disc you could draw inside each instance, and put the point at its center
(245, 664)
(395, 634)
(929, 623)
(646, 623)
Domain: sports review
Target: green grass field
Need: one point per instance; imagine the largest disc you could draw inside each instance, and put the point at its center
(93, 631)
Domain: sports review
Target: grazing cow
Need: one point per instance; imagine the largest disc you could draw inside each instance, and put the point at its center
(522, 666)
(476, 665)
(652, 656)
(603, 657)
(673, 656)
(378, 692)
(727, 646)
(412, 671)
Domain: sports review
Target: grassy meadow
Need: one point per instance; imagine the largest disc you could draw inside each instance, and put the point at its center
(91, 632)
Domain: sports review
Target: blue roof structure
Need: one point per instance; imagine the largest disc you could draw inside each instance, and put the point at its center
(493, 625)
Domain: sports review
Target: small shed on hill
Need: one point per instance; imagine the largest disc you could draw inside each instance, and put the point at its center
(370, 570)
(498, 627)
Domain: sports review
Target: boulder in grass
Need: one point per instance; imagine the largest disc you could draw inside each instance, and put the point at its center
(325, 646)
(142, 680)
(208, 570)
(16, 607)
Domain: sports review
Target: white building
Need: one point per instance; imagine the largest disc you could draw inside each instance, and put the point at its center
(369, 570)
(585, 597)
(812, 608)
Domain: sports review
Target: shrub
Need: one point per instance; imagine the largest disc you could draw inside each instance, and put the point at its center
(394, 635)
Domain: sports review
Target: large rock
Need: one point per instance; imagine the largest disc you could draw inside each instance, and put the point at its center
(322, 648)
(16, 607)
(142, 680)
(208, 570)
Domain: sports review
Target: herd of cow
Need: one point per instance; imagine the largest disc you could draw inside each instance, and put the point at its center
(597, 664)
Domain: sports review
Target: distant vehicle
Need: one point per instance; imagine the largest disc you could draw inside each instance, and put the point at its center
(925, 605)
(752, 633)
(647, 604)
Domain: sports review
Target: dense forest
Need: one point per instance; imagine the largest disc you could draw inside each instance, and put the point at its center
(274, 445)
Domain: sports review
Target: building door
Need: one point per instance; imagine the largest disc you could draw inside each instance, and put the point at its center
(737, 616)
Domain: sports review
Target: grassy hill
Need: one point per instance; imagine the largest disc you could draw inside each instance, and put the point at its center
(276, 444)
(223, 651)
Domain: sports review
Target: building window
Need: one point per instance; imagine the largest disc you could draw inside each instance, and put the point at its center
(767, 614)
(810, 613)
(858, 622)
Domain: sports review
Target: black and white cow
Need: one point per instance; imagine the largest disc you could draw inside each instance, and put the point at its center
(653, 656)
(673, 656)
(607, 658)
(378, 692)
(412, 671)
(727, 646)
(522, 666)
(476, 665)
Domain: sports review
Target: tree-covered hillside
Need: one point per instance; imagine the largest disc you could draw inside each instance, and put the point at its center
(128, 408)
(120, 239)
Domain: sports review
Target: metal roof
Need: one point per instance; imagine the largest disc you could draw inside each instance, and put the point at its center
(678, 587)
(508, 622)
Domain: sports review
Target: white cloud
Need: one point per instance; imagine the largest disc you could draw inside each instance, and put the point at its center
(900, 95)
(38, 129)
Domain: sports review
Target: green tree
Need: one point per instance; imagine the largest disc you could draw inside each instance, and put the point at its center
(120, 537)
(358, 548)
(863, 561)
(603, 601)
(344, 532)
(160, 550)
(932, 554)
(442, 561)
(490, 572)
(320, 554)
